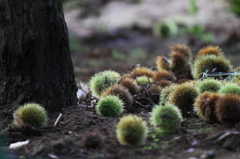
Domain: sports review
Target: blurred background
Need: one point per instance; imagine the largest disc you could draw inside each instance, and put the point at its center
(118, 34)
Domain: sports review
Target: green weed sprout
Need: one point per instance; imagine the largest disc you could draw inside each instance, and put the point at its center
(230, 88)
(109, 106)
(102, 80)
(235, 7)
(183, 97)
(131, 130)
(193, 7)
(165, 29)
(32, 114)
(210, 62)
(209, 84)
(143, 80)
(165, 118)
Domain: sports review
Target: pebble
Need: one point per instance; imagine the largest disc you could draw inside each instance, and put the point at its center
(191, 150)
(208, 154)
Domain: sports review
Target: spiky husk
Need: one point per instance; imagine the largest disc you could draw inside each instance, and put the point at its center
(33, 114)
(164, 83)
(183, 49)
(183, 97)
(163, 63)
(210, 50)
(122, 93)
(154, 91)
(109, 106)
(191, 83)
(102, 80)
(179, 62)
(131, 130)
(224, 82)
(237, 68)
(165, 118)
(182, 80)
(209, 84)
(228, 109)
(210, 62)
(164, 75)
(143, 80)
(205, 106)
(126, 76)
(130, 84)
(142, 71)
(230, 88)
(166, 92)
(184, 74)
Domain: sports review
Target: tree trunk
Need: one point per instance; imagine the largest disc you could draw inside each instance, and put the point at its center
(35, 61)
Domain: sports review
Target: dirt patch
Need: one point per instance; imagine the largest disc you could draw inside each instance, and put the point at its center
(83, 134)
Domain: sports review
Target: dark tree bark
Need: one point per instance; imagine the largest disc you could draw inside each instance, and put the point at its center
(35, 61)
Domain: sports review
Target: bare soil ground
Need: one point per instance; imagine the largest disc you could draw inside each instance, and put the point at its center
(83, 134)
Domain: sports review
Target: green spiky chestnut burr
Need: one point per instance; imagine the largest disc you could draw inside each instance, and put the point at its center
(183, 97)
(209, 84)
(102, 80)
(165, 118)
(122, 93)
(143, 80)
(31, 113)
(230, 88)
(210, 62)
(109, 106)
(166, 92)
(131, 130)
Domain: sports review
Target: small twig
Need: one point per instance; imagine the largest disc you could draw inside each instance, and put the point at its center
(86, 106)
(58, 119)
(146, 89)
(167, 60)
(149, 99)
(226, 135)
(142, 104)
(220, 74)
